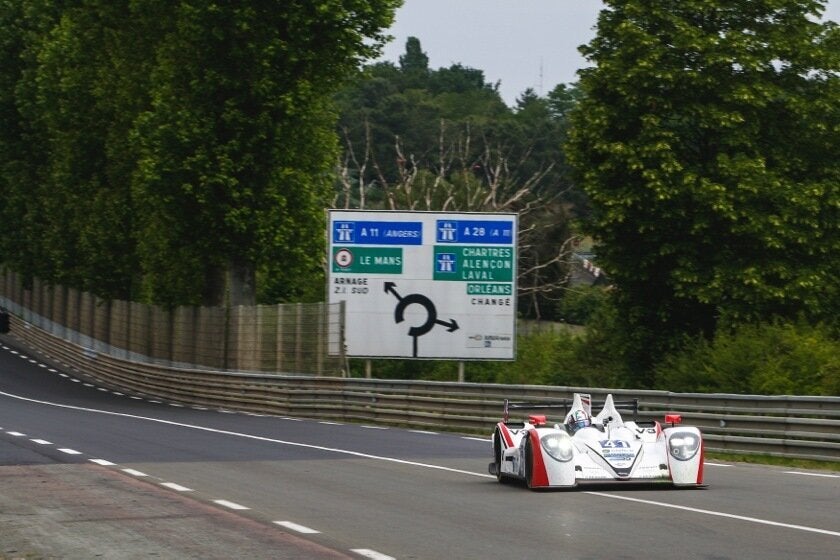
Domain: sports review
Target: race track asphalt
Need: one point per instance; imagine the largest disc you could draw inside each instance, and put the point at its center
(88, 471)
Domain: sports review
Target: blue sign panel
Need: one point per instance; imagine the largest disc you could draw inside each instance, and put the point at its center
(377, 233)
(446, 263)
(474, 231)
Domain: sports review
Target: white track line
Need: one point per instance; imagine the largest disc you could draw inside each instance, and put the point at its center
(230, 505)
(296, 527)
(176, 487)
(813, 474)
(372, 554)
(718, 514)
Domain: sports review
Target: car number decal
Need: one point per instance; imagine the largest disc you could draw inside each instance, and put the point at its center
(614, 443)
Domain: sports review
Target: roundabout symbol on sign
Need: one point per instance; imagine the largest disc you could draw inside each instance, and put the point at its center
(431, 314)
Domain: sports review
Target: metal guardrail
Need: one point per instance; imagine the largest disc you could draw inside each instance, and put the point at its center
(785, 426)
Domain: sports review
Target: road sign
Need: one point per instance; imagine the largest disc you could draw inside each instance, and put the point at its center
(363, 232)
(469, 263)
(425, 285)
(474, 231)
(367, 260)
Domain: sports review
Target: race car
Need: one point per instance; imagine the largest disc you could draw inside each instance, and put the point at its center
(601, 449)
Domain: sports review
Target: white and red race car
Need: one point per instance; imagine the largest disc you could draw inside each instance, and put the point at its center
(603, 448)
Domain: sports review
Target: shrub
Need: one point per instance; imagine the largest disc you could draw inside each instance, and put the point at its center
(765, 359)
(580, 303)
(539, 353)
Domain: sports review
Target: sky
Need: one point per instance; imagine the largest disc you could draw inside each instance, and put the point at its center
(521, 43)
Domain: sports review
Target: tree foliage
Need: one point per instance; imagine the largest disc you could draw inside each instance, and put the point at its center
(764, 359)
(707, 139)
(174, 150)
(581, 303)
(443, 140)
(69, 101)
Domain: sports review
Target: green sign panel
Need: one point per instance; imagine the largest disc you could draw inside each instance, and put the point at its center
(473, 264)
(367, 260)
(486, 289)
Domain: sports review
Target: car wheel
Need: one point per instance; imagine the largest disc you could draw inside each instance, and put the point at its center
(497, 455)
(529, 462)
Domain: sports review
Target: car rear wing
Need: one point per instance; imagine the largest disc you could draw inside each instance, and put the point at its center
(628, 405)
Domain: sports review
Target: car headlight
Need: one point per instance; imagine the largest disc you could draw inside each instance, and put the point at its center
(558, 446)
(683, 446)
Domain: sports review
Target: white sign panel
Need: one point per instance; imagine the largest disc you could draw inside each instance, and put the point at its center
(425, 284)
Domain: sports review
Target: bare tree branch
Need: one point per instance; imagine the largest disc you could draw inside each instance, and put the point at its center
(463, 179)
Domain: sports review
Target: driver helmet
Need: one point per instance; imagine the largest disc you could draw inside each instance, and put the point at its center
(579, 419)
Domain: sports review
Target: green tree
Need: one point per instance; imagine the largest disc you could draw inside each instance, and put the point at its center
(73, 81)
(85, 62)
(237, 147)
(707, 140)
(185, 144)
(417, 138)
(407, 103)
(21, 158)
(414, 64)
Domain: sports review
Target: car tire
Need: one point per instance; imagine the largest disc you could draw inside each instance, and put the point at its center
(497, 456)
(529, 461)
